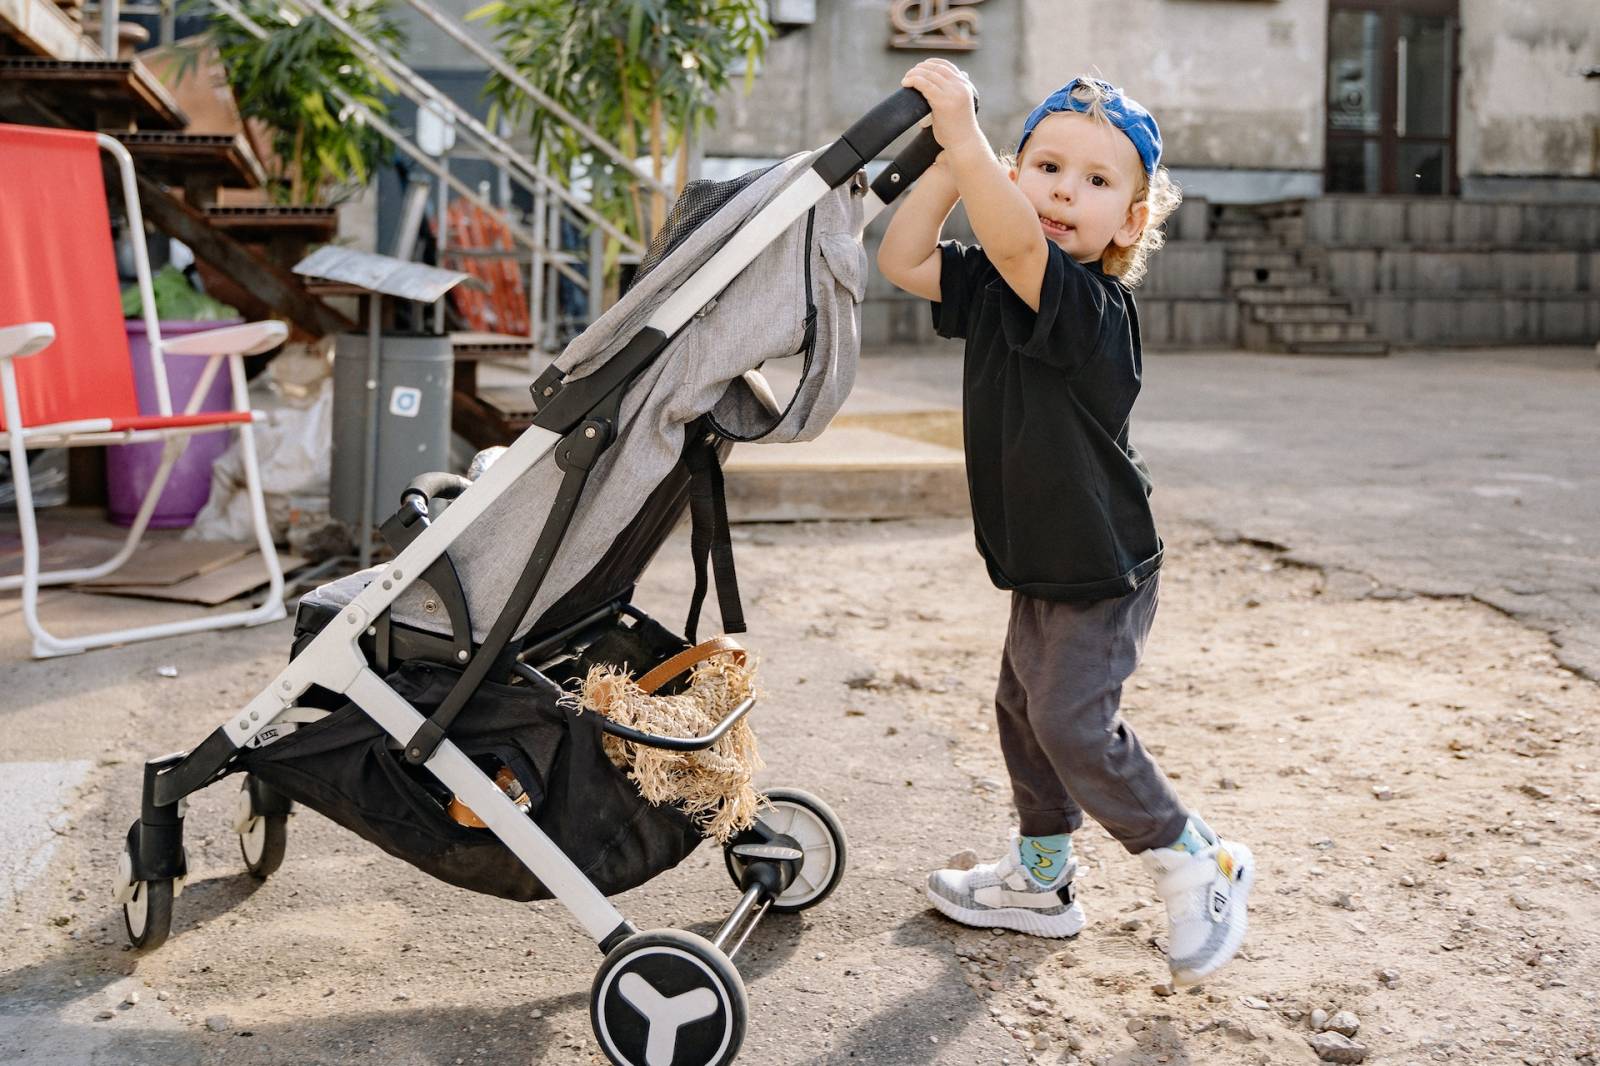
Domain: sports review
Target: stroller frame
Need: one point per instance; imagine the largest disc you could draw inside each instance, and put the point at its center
(576, 419)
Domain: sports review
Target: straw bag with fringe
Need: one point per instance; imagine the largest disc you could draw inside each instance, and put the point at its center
(713, 786)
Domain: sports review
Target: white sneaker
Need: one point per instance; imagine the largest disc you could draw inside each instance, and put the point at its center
(1207, 894)
(1004, 895)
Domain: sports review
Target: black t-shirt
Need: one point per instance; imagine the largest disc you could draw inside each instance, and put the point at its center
(1060, 499)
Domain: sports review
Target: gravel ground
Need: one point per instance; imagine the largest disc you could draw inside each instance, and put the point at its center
(1416, 777)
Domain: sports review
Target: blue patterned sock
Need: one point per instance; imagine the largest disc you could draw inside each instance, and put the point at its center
(1045, 857)
(1191, 841)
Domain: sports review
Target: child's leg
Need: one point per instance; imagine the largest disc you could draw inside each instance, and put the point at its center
(1044, 807)
(1071, 660)
(1029, 889)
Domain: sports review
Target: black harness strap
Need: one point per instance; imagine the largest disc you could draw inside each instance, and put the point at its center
(709, 536)
(576, 454)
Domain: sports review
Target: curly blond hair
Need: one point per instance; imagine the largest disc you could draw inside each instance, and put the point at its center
(1129, 265)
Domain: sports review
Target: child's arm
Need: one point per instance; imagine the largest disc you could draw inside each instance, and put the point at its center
(909, 255)
(1005, 223)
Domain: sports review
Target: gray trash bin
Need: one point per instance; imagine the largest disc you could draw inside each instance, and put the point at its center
(414, 383)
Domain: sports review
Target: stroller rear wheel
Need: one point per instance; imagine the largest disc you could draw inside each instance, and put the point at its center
(668, 996)
(263, 838)
(813, 826)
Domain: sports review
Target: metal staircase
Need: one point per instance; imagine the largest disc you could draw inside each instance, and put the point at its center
(537, 233)
(61, 76)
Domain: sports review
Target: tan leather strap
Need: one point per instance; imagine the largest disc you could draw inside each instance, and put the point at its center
(723, 645)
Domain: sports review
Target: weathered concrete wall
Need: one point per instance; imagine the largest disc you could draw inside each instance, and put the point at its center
(816, 81)
(1232, 84)
(1525, 110)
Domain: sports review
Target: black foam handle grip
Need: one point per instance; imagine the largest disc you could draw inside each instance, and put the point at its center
(881, 126)
(914, 159)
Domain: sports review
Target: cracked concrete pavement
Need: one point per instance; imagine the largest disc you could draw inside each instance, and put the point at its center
(1437, 473)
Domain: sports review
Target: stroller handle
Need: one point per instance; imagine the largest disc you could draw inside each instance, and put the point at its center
(870, 135)
(908, 166)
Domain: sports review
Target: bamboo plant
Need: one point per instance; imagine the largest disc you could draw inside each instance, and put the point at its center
(323, 153)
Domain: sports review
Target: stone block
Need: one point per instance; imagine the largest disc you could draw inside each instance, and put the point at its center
(1352, 269)
(1564, 321)
(1390, 317)
(1479, 321)
(1507, 227)
(1472, 223)
(1187, 268)
(1204, 323)
(1429, 221)
(1321, 220)
(1543, 272)
(900, 319)
(1155, 321)
(1515, 321)
(1190, 222)
(1432, 321)
(1374, 222)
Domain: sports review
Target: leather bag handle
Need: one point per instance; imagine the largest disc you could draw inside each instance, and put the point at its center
(690, 657)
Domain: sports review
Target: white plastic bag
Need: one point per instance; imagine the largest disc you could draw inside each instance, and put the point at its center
(293, 447)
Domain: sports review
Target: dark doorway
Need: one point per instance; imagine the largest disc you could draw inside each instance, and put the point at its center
(1391, 98)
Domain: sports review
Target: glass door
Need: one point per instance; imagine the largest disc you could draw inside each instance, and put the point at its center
(1391, 97)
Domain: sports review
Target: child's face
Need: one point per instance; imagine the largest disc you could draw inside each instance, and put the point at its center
(1081, 175)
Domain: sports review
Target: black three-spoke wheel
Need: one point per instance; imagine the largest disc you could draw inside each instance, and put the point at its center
(668, 996)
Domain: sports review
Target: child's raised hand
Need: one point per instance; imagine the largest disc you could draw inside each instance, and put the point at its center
(950, 94)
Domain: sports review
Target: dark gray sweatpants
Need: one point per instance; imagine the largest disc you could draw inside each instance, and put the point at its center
(1066, 745)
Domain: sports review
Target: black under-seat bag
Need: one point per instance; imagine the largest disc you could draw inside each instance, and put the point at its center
(344, 767)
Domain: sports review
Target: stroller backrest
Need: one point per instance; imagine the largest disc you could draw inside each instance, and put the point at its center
(797, 298)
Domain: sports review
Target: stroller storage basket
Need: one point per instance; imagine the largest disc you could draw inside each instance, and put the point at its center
(346, 768)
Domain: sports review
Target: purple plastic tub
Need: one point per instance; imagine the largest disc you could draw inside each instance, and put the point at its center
(130, 468)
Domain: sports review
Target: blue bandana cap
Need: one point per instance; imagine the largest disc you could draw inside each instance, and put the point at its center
(1125, 114)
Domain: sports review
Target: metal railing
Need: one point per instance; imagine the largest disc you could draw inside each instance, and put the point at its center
(548, 261)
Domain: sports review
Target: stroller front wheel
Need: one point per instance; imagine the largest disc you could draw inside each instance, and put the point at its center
(816, 830)
(147, 914)
(668, 996)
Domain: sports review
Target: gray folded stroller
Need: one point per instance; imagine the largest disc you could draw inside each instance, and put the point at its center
(406, 680)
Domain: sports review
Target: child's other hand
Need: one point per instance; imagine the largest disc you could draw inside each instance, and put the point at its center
(949, 92)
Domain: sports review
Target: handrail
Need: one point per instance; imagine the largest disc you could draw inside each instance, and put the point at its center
(416, 154)
(453, 30)
(506, 155)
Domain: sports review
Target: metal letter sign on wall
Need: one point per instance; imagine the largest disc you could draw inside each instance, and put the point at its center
(949, 25)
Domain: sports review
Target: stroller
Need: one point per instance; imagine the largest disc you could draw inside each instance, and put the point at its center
(407, 680)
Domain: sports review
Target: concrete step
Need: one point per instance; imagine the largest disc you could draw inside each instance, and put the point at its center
(1291, 227)
(1330, 311)
(1286, 294)
(1316, 332)
(1353, 348)
(1244, 277)
(872, 465)
(1228, 230)
(1257, 243)
(1261, 258)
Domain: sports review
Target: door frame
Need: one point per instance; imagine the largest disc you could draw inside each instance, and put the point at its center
(1389, 140)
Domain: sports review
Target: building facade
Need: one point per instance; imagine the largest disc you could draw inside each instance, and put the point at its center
(1257, 99)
